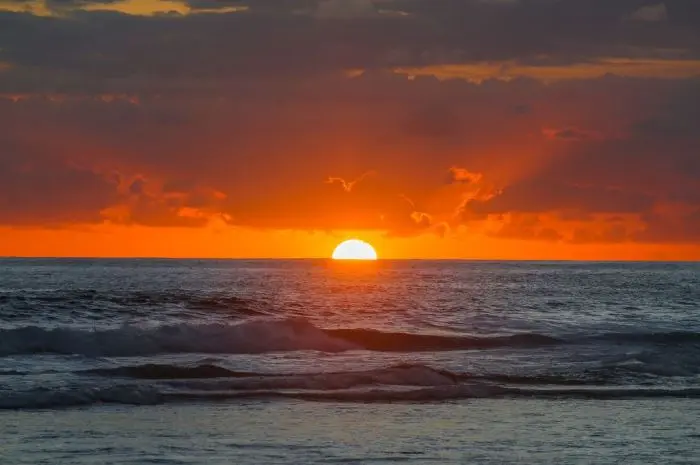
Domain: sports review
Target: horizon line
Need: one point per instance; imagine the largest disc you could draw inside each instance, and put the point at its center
(380, 259)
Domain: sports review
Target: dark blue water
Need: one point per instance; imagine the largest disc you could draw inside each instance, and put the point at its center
(320, 335)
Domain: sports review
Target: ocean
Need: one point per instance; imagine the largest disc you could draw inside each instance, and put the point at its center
(315, 361)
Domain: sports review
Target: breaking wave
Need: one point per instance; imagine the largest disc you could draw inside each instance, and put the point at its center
(405, 342)
(277, 335)
(150, 384)
(440, 393)
(622, 372)
(75, 396)
(161, 371)
(150, 395)
(203, 377)
(248, 337)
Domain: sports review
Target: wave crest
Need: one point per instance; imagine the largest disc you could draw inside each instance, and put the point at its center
(145, 395)
(371, 339)
(75, 396)
(249, 337)
(278, 335)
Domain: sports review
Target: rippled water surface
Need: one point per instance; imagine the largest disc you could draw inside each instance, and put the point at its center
(312, 361)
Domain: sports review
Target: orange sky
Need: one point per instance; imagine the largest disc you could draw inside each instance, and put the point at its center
(495, 130)
(115, 241)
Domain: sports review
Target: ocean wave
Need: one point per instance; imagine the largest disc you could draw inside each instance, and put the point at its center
(248, 337)
(400, 375)
(407, 373)
(164, 371)
(437, 394)
(403, 374)
(74, 396)
(150, 395)
(657, 337)
(207, 376)
(278, 335)
(12, 373)
(149, 384)
(371, 339)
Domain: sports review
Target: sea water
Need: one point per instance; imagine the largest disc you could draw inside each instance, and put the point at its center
(315, 361)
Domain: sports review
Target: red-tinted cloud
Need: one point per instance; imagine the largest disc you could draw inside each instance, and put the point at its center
(281, 117)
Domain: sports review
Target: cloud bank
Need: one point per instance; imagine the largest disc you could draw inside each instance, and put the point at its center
(569, 121)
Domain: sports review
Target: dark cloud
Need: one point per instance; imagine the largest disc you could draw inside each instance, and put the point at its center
(244, 117)
(36, 189)
(522, 109)
(611, 233)
(569, 134)
(651, 13)
(77, 3)
(685, 13)
(269, 6)
(547, 195)
(270, 147)
(682, 228)
(649, 172)
(137, 186)
(525, 226)
(106, 51)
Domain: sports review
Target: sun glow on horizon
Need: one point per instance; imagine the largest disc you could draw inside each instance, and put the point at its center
(354, 249)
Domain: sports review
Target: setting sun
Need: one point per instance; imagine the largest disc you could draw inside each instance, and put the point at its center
(354, 249)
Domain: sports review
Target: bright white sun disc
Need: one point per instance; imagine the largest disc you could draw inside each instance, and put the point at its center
(354, 249)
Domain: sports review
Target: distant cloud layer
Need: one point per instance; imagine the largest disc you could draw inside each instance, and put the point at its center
(553, 120)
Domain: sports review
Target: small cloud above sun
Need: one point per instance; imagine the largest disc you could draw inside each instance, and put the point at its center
(354, 249)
